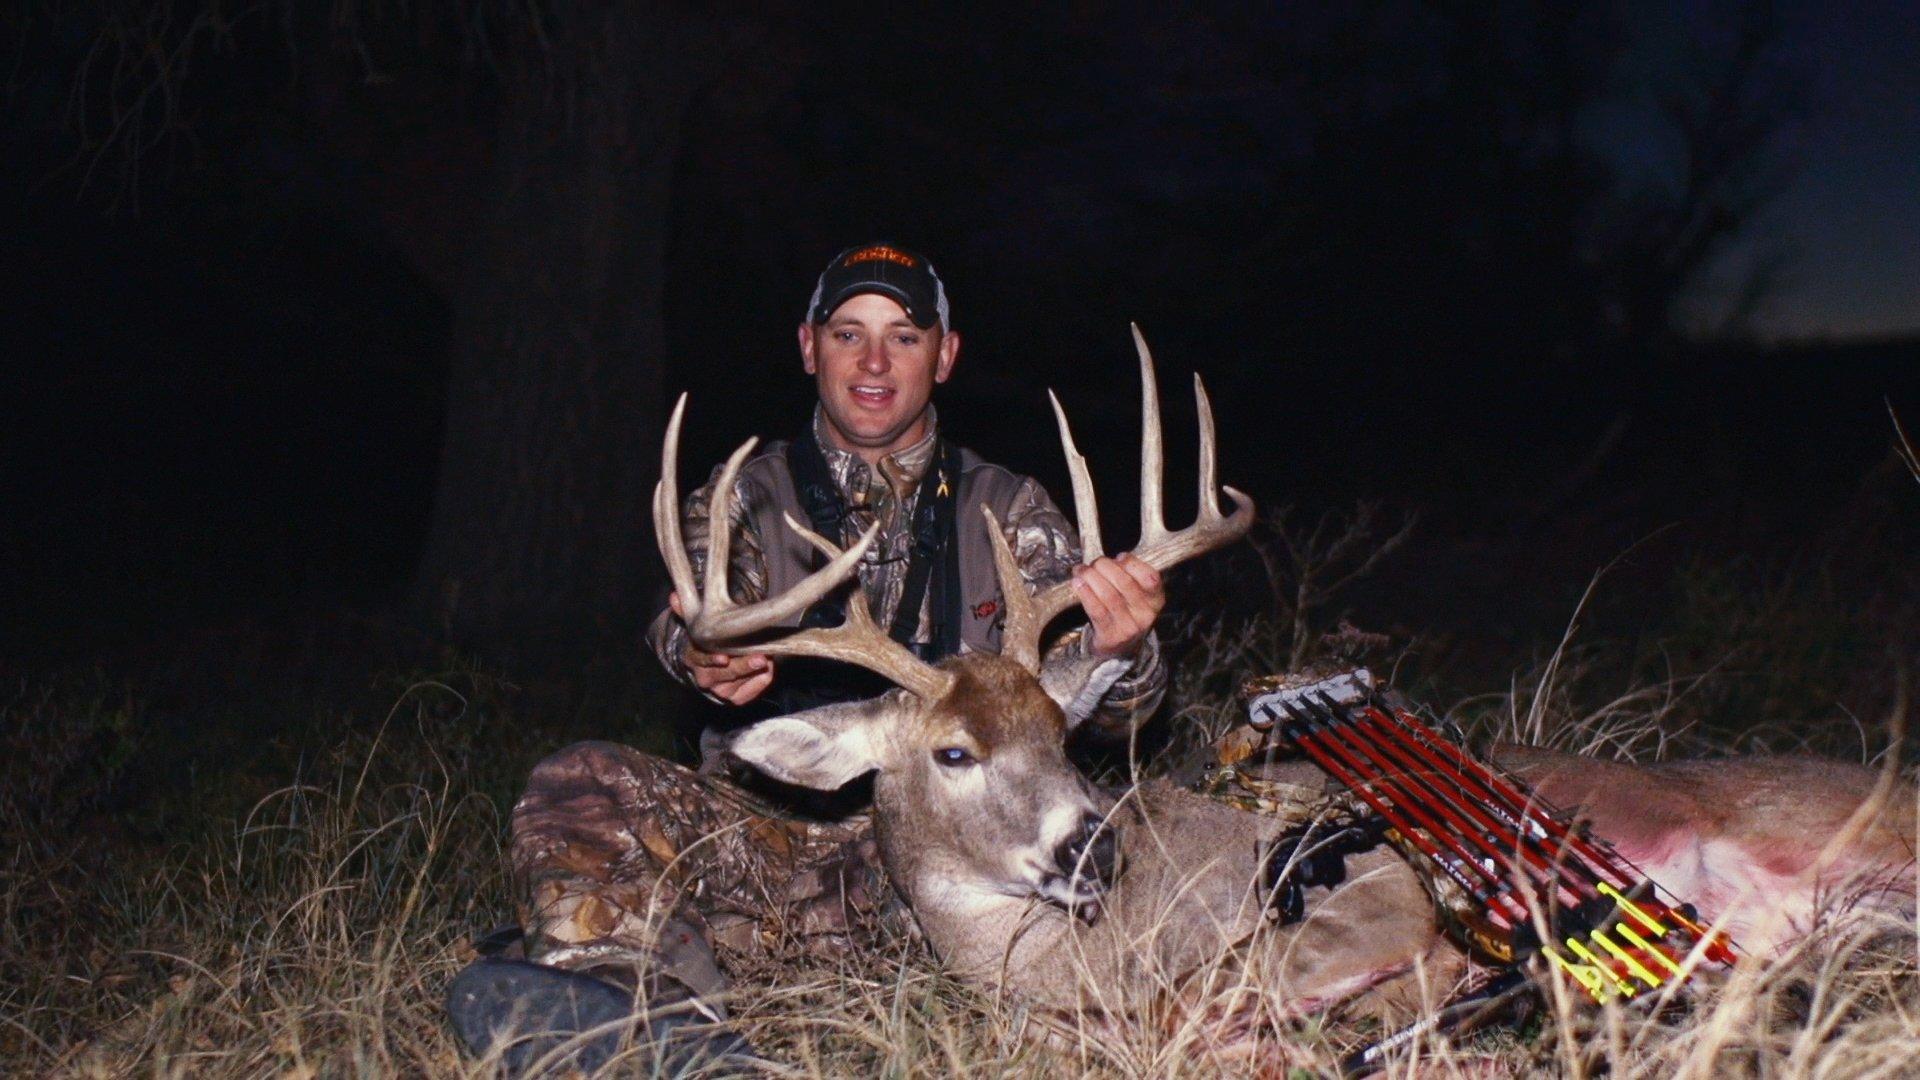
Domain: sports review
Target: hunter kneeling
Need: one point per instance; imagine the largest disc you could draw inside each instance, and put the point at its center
(634, 874)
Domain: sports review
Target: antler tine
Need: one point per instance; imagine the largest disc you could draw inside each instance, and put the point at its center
(1209, 491)
(1020, 633)
(715, 597)
(857, 614)
(714, 620)
(666, 516)
(1153, 521)
(819, 543)
(1085, 508)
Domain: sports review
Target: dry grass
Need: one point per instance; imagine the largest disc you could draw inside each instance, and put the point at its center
(315, 936)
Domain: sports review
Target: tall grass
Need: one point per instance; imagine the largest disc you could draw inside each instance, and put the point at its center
(315, 937)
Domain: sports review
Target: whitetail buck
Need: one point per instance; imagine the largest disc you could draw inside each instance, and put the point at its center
(1022, 875)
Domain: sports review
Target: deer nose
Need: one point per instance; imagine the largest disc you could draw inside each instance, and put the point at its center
(1089, 852)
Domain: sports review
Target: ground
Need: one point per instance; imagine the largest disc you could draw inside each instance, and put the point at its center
(267, 858)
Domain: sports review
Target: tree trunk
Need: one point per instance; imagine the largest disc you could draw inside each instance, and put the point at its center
(540, 526)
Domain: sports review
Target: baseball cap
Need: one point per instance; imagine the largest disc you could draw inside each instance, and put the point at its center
(893, 272)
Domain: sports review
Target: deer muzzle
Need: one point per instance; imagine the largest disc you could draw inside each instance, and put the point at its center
(1088, 862)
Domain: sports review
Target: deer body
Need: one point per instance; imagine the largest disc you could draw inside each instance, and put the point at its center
(1761, 845)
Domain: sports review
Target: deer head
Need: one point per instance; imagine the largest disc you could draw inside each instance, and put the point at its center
(974, 790)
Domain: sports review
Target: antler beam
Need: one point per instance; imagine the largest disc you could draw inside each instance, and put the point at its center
(1028, 616)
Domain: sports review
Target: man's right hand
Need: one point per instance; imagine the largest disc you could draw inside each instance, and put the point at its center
(735, 680)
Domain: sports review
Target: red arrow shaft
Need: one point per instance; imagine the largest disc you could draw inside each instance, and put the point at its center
(1526, 806)
(1514, 845)
(1364, 786)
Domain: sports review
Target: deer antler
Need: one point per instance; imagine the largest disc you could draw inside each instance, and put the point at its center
(1029, 614)
(715, 621)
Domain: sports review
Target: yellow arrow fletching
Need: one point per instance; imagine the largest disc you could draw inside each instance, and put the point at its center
(1639, 970)
(1584, 953)
(1583, 974)
(1642, 944)
(1653, 925)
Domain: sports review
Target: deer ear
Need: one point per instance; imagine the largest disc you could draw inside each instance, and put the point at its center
(820, 748)
(1077, 683)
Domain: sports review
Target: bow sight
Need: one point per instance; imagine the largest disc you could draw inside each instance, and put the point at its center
(1514, 878)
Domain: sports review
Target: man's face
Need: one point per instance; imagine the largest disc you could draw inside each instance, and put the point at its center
(876, 371)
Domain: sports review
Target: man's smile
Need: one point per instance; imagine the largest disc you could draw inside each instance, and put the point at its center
(871, 396)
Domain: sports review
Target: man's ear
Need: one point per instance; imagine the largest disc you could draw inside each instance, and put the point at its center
(820, 748)
(949, 355)
(1077, 683)
(806, 347)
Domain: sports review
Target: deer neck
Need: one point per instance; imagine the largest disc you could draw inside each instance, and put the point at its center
(937, 884)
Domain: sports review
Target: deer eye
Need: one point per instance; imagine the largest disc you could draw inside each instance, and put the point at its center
(953, 756)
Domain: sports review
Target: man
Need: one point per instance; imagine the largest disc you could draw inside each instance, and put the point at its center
(632, 869)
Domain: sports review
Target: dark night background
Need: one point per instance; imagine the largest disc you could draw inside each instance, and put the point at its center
(348, 330)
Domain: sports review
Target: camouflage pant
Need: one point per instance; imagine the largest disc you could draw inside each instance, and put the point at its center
(620, 857)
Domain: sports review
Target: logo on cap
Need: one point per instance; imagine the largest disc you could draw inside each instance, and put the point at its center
(890, 271)
(879, 253)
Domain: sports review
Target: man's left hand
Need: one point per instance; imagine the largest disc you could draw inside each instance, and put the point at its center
(1122, 597)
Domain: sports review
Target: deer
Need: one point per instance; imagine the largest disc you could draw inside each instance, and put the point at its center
(1023, 876)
